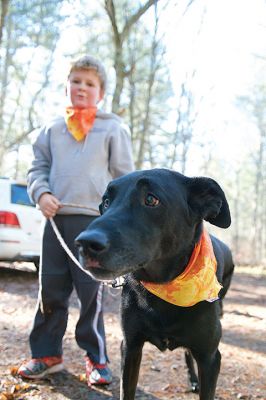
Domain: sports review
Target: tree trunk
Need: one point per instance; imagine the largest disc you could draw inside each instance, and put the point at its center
(119, 38)
(4, 10)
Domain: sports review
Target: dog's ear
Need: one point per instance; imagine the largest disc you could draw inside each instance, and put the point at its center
(207, 199)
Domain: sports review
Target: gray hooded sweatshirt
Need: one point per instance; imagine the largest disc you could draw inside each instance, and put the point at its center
(78, 172)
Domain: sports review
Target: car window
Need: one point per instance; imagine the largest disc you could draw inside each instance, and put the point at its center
(19, 195)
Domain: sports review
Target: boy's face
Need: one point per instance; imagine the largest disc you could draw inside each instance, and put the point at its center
(84, 88)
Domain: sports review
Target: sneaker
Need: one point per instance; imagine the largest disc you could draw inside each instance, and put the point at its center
(39, 367)
(97, 374)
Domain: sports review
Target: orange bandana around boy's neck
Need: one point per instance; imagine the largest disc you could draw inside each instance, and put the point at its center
(197, 283)
(79, 121)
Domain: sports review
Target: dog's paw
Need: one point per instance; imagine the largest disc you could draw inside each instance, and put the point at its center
(194, 387)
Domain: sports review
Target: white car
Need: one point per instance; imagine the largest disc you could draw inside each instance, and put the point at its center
(20, 224)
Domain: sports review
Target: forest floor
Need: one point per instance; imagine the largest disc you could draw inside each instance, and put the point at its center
(162, 375)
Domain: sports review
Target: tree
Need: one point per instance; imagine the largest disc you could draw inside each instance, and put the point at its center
(186, 117)
(149, 87)
(4, 9)
(136, 53)
(29, 34)
(120, 36)
(255, 104)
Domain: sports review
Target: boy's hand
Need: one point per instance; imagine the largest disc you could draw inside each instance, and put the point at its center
(48, 204)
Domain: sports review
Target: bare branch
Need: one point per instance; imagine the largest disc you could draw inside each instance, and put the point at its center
(135, 17)
(188, 5)
(110, 9)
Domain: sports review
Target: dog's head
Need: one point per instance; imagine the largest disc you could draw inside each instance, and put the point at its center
(150, 220)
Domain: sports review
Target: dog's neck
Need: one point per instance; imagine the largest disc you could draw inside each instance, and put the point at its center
(153, 272)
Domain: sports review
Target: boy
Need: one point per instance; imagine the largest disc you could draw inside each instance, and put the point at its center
(74, 158)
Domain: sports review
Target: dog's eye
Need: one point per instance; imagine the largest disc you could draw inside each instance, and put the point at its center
(151, 200)
(105, 204)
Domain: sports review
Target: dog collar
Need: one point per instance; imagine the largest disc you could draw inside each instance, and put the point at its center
(197, 283)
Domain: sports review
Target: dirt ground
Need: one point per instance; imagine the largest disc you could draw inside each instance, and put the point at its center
(162, 375)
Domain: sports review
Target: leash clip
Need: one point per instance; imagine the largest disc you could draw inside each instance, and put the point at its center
(118, 282)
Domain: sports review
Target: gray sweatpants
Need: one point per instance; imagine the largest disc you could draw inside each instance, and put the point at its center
(57, 277)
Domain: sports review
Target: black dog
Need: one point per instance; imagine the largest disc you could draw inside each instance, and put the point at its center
(151, 222)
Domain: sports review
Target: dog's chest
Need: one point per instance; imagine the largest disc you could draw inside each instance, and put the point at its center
(151, 319)
(164, 343)
(166, 331)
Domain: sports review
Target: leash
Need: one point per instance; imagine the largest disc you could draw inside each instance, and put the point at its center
(115, 283)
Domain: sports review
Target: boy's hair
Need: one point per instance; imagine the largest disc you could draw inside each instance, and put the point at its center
(90, 63)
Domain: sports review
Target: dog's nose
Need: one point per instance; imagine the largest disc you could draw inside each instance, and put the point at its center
(92, 243)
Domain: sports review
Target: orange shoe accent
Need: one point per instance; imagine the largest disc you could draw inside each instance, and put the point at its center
(97, 374)
(50, 361)
(37, 368)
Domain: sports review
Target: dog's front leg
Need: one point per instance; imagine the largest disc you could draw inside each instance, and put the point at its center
(192, 375)
(208, 367)
(130, 364)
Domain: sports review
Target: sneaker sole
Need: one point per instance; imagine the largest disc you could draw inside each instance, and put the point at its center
(99, 382)
(51, 370)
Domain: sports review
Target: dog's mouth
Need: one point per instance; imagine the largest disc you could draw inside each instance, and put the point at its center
(101, 272)
(91, 263)
(94, 267)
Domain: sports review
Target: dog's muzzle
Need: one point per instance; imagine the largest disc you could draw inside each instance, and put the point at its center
(92, 244)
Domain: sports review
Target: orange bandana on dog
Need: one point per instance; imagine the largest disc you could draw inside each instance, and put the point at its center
(79, 121)
(197, 283)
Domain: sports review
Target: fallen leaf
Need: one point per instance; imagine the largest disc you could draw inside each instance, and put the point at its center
(82, 378)
(14, 370)
(7, 396)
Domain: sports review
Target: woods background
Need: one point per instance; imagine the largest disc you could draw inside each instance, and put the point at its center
(168, 113)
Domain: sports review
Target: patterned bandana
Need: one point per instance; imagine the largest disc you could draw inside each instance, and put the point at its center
(79, 121)
(197, 283)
